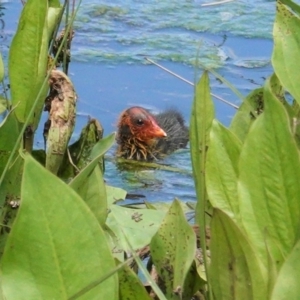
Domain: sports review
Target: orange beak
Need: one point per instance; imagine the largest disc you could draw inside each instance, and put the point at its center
(157, 132)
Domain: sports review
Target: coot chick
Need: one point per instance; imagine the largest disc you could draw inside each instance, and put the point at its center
(144, 136)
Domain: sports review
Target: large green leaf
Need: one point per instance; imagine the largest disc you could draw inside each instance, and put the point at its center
(28, 61)
(222, 170)
(269, 190)
(201, 121)
(236, 271)
(287, 286)
(136, 226)
(56, 246)
(173, 249)
(286, 55)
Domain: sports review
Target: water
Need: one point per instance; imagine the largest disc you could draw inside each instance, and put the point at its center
(126, 31)
(110, 72)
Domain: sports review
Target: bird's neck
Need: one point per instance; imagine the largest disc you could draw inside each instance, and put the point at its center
(133, 148)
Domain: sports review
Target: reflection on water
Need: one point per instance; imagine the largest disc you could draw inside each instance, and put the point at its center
(156, 184)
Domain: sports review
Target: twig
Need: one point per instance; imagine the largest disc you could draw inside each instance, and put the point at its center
(189, 82)
(71, 160)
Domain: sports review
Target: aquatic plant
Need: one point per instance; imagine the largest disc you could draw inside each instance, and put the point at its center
(64, 234)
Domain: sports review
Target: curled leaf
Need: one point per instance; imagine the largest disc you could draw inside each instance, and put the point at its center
(61, 103)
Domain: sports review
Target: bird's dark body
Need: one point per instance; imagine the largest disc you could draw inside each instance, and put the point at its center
(172, 122)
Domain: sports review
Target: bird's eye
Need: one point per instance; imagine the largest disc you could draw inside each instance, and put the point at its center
(139, 122)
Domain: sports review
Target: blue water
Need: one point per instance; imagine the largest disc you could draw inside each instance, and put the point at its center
(110, 72)
(125, 31)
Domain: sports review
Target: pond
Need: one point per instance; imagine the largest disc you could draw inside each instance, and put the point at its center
(110, 72)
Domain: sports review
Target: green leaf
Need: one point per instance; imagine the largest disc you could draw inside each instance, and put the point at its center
(222, 170)
(53, 16)
(138, 225)
(173, 249)
(56, 246)
(201, 121)
(10, 192)
(1, 68)
(80, 150)
(3, 105)
(93, 192)
(10, 187)
(200, 124)
(295, 124)
(269, 188)
(287, 285)
(195, 279)
(9, 132)
(114, 194)
(286, 55)
(54, 3)
(28, 61)
(130, 286)
(98, 151)
(273, 260)
(236, 271)
(243, 119)
(292, 5)
(89, 183)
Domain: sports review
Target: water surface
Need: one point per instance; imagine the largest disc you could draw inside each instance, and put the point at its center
(110, 72)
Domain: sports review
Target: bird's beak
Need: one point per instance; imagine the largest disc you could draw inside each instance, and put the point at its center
(158, 132)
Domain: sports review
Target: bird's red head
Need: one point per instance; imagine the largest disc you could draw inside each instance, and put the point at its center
(140, 124)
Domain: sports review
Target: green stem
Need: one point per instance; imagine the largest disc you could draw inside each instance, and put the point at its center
(100, 280)
(57, 28)
(65, 62)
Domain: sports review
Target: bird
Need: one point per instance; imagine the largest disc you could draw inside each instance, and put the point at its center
(144, 136)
